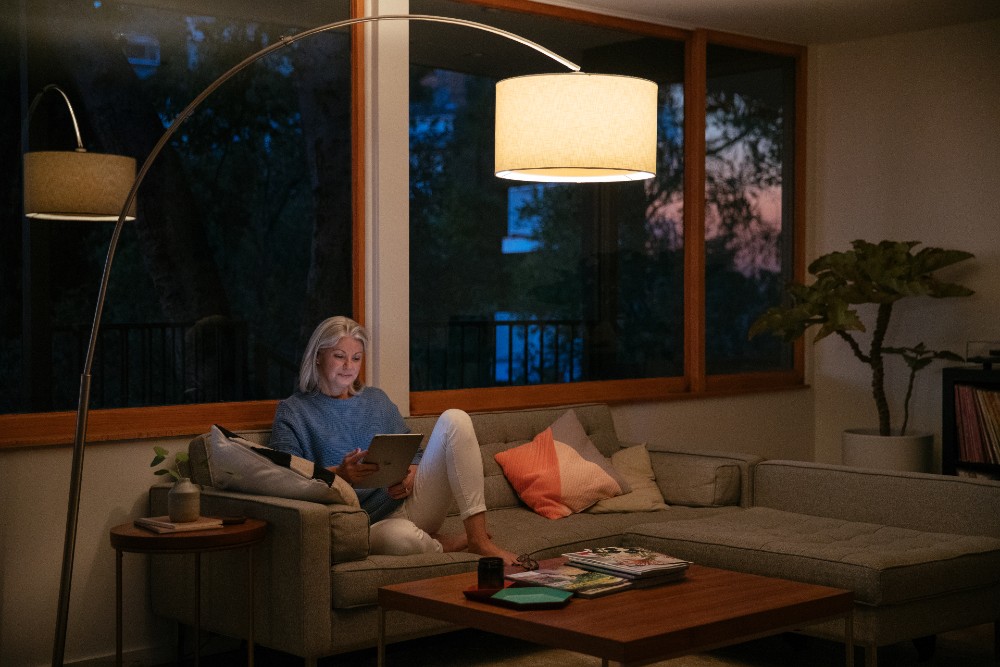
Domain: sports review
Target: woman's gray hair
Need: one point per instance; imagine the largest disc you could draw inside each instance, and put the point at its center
(328, 334)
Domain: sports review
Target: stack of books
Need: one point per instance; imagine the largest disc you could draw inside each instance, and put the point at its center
(163, 524)
(640, 567)
(978, 415)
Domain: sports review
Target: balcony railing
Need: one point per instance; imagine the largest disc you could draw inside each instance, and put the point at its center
(147, 364)
(220, 360)
(489, 353)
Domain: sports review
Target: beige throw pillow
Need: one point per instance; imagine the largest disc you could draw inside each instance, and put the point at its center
(634, 465)
(236, 464)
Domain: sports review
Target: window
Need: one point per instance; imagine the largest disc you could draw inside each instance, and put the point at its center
(250, 203)
(567, 288)
(749, 192)
(522, 294)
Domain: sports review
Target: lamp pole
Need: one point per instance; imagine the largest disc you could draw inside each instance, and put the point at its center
(83, 403)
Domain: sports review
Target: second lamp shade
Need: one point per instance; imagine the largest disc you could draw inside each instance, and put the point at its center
(77, 185)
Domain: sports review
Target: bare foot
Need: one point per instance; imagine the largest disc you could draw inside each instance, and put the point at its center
(488, 548)
(452, 541)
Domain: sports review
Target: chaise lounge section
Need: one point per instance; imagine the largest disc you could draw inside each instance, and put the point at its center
(921, 552)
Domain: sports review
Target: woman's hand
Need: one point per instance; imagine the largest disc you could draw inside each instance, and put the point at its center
(405, 488)
(353, 469)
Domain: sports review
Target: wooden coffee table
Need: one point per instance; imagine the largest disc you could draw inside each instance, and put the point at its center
(708, 609)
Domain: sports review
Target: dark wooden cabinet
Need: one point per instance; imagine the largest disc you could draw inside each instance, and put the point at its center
(954, 419)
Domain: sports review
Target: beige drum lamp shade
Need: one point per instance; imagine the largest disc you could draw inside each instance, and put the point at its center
(77, 185)
(575, 128)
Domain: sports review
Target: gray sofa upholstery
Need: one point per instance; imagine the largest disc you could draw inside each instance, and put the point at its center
(921, 552)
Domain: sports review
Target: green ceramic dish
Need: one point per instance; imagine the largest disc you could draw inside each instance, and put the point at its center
(532, 597)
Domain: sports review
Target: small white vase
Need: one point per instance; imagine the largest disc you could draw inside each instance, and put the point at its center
(184, 501)
(865, 448)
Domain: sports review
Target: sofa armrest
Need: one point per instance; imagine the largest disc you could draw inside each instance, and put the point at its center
(703, 478)
(292, 586)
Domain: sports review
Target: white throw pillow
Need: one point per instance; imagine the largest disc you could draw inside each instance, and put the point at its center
(236, 464)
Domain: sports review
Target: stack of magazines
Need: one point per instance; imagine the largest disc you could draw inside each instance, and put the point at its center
(583, 583)
(640, 567)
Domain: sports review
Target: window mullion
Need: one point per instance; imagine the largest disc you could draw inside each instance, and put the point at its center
(695, 72)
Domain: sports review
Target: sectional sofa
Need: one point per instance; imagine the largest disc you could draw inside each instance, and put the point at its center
(921, 552)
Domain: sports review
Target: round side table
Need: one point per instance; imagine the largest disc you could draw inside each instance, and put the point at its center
(131, 538)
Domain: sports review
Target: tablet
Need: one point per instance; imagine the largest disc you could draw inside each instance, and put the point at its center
(393, 453)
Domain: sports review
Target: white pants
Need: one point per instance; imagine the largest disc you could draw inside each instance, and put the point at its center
(451, 469)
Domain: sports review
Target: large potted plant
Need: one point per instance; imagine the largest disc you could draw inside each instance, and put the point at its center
(880, 274)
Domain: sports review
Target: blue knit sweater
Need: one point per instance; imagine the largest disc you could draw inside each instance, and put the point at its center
(323, 429)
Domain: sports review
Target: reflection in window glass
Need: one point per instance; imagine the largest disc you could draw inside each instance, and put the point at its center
(749, 152)
(523, 222)
(243, 239)
(515, 284)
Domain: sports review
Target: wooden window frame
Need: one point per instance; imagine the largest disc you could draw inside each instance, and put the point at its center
(125, 424)
(695, 383)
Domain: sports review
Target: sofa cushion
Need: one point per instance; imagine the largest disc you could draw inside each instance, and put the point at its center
(518, 529)
(634, 465)
(555, 478)
(699, 481)
(522, 531)
(234, 465)
(883, 565)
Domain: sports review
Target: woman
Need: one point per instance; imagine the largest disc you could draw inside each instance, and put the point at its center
(331, 420)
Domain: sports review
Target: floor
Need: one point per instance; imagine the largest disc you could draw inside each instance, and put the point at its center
(972, 647)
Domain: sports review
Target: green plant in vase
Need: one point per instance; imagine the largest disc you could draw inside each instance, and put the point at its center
(881, 274)
(177, 469)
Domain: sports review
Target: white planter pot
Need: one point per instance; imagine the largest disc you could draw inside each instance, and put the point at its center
(865, 448)
(184, 501)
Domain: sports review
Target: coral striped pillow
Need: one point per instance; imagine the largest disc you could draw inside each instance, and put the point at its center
(557, 478)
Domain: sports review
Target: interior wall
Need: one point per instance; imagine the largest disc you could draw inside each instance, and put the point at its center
(904, 146)
(776, 425)
(34, 485)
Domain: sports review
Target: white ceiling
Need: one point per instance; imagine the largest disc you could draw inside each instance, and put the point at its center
(794, 21)
(799, 21)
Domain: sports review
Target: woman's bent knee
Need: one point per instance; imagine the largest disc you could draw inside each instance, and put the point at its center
(456, 419)
(401, 537)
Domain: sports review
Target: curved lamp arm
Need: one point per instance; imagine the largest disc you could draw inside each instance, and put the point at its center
(76, 479)
(72, 116)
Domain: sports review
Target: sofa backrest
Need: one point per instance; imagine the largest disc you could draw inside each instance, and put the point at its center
(921, 501)
(501, 430)
(496, 431)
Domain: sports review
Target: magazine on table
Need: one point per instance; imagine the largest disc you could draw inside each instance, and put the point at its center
(631, 562)
(584, 583)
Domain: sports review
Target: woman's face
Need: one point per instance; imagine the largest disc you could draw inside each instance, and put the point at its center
(338, 366)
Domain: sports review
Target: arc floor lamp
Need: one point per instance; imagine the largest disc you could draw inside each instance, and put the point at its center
(566, 127)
